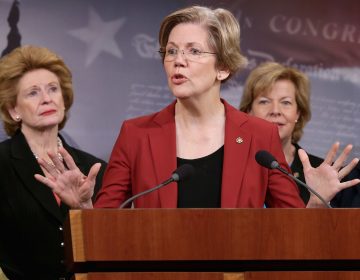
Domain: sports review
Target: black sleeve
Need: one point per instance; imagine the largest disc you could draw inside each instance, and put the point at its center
(350, 197)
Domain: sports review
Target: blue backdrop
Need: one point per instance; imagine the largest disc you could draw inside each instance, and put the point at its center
(111, 47)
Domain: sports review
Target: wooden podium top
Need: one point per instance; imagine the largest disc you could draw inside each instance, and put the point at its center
(260, 238)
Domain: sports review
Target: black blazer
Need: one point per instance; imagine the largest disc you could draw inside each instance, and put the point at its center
(297, 170)
(350, 197)
(31, 234)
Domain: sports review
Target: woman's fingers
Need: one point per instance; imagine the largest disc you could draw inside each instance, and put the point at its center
(304, 159)
(70, 163)
(94, 171)
(339, 162)
(50, 168)
(347, 169)
(45, 181)
(67, 181)
(332, 153)
(57, 162)
(349, 184)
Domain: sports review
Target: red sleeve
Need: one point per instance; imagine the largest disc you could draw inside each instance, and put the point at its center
(116, 186)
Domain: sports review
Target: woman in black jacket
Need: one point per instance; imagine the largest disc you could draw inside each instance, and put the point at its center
(35, 95)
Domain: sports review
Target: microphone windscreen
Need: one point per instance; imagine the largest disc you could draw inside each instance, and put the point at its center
(182, 172)
(264, 158)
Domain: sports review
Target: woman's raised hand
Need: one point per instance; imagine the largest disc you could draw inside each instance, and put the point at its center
(326, 178)
(67, 181)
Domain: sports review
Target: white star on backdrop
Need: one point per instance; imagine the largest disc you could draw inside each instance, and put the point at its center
(99, 36)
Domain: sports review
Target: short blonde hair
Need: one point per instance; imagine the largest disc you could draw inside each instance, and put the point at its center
(263, 77)
(15, 65)
(224, 34)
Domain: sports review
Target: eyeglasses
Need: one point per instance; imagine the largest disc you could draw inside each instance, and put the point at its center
(192, 54)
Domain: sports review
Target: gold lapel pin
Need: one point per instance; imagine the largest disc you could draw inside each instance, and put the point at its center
(239, 140)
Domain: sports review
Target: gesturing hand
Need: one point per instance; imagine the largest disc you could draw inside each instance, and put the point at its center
(326, 178)
(67, 181)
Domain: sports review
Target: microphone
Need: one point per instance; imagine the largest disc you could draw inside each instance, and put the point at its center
(181, 173)
(265, 159)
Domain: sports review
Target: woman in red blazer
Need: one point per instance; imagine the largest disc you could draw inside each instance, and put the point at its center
(145, 155)
(200, 49)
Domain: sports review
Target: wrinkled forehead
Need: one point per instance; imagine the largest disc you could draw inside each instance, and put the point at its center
(185, 34)
(37, 77)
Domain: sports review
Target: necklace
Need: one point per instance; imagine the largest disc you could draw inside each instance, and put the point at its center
(60, 157)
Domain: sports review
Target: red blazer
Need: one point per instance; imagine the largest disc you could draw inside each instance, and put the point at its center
(144, 155)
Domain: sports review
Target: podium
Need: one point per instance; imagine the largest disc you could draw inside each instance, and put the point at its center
(214, 244)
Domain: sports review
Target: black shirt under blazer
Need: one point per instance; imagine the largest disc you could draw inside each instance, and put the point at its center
(298, 172)
(31, 233)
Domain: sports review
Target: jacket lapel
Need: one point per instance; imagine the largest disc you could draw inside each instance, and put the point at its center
(162, 140)
(236, 153)
(26, 166)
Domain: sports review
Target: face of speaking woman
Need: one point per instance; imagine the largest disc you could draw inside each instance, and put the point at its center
(190, 63)
(39, 103)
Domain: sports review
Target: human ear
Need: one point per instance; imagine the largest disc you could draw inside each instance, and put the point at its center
(14, 114)
(222, 74)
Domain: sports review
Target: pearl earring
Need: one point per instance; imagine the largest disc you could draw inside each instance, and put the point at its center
(17, 118)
